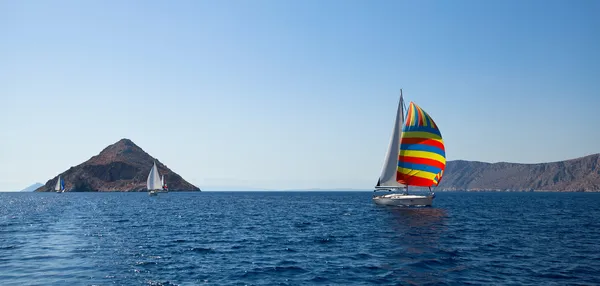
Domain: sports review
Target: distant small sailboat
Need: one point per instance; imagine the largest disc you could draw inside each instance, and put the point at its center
(165, 189)
(153, 183)
(60, 185)
(416, 156)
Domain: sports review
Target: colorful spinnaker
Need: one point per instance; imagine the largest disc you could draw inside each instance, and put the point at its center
(422, 156)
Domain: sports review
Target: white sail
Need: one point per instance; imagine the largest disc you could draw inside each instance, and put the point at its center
(390, 165)
(162, 180)
(58, 185)
(153, 182)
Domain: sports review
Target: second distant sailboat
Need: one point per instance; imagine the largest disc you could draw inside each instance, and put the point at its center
(60, 185)
(165, 189)
(153, 183)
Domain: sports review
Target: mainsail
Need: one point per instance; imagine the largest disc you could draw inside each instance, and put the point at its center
(153, 182)
(390, 165)
(422, 157)
(60, 184)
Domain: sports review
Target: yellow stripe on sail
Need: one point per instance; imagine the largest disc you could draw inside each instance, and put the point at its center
(420, 134)
(423, 154)
(417, 173)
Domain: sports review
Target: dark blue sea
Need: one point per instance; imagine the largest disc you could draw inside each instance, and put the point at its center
(298, 238)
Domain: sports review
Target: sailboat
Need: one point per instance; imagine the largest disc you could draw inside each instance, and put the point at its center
(416, 156)
(165, 189)
(153, 183)
(60, 185)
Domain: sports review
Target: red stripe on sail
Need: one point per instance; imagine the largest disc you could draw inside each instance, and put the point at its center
(421, 117)
(424, 161)
(429, 142)
(413, 180)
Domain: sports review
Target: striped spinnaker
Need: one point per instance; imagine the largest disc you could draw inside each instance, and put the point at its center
(422, 157)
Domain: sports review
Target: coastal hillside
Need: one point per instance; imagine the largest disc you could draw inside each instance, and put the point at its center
(122, 166)
(575, 175)
(32, 187)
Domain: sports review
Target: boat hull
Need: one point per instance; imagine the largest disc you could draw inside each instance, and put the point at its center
(403, 200)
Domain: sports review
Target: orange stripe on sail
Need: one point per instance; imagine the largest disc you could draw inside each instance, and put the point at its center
(409, 116)
(415, 115)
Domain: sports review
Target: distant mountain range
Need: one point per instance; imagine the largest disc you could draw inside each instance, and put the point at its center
(32, 187)
(122, 166)
(575, 175)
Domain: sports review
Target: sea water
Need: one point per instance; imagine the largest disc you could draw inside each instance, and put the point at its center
(298, 238)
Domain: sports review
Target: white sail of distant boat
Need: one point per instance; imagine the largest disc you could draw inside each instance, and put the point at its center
(60, 185)
(153, 183)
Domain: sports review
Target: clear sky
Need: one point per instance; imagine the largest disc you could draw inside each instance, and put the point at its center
(292, 94)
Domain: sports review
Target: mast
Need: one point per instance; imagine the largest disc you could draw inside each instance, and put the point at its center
(402, 107)
(387, 179)
(401, 125)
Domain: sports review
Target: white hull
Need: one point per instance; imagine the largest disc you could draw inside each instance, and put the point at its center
(152, 193)
(403, 200)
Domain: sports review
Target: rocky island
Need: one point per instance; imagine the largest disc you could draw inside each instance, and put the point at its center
(575, 175)
(120, 167)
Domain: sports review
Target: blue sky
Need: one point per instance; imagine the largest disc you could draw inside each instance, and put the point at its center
(292, 94)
